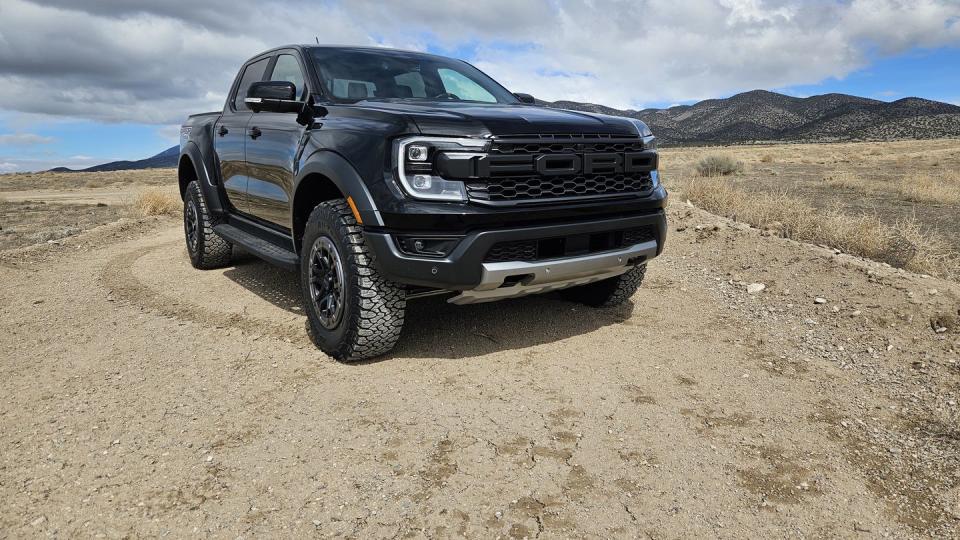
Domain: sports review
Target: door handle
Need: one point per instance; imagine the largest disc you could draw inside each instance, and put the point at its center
(222, 131)
(255, 132)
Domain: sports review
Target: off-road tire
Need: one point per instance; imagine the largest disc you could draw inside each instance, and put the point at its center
(210, 250)
(373, 307)
(609, 292)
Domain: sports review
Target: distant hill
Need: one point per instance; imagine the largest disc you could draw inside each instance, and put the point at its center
(761, 116)
(167, 158)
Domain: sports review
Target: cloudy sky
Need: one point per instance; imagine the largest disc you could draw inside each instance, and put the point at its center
(89, 81)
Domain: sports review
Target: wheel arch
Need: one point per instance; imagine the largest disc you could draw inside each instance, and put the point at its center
(326, 176)
(192, 167)
(186, 173)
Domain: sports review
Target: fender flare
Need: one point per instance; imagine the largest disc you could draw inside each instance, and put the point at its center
(202, 170)
(345, 177)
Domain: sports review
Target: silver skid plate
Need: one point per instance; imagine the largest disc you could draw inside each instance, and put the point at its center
(545, 276)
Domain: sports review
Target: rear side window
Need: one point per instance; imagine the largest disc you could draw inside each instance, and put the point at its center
(253, 73)
(288, 69)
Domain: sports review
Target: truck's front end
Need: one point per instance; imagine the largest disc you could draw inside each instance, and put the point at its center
(509, 215)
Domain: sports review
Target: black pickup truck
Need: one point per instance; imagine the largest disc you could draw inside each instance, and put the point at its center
(383, 175)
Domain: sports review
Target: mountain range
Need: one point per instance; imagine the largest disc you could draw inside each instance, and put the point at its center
(167, 158)
(762, 116)
(750, 117)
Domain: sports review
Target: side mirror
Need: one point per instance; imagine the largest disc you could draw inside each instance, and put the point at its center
(273, 96)
(525, 98)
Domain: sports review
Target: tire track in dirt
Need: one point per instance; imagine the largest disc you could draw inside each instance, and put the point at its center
(119, 278)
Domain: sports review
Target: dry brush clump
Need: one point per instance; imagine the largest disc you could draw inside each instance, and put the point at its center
(718, 165)
(846, 180)
(904, 245)
(924, 188)
(157, 202)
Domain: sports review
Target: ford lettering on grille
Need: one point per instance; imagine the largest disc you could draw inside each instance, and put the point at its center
(566, 164)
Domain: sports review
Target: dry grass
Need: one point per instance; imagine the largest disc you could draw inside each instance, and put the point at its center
(904, 245)
(846, 180)
(924, 188)
(81, 180)
(719, 165)
(157, 202)
(912, 187)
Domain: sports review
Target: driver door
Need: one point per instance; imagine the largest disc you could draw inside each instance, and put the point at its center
(272, 145)
(230, 137)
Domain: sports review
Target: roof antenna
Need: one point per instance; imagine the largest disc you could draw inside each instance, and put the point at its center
(317, 38)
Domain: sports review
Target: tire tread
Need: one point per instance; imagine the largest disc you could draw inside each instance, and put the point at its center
(379, 304)
(214, 251)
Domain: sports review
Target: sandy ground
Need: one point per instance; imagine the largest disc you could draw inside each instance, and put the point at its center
(39, 215)
(141, 397)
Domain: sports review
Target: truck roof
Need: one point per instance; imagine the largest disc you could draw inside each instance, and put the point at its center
(344, 48)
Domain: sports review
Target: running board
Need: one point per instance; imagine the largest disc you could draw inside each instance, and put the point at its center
(268, 251)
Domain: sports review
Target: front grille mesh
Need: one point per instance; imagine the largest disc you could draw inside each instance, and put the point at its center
(529, 250)
(547, 147)
(636, 236)
(519, 250)
(535, 187)
(514, 188)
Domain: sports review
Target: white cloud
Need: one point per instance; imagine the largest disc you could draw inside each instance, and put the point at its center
(6, 166)
(24, 139)
(170, 133)
(116, 61)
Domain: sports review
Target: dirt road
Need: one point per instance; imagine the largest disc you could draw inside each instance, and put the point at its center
(140, 397)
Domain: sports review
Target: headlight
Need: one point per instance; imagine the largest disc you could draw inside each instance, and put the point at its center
(415, 165)
(643, 130)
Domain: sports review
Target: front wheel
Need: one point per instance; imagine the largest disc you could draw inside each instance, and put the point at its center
(353, 312)
(608, 292)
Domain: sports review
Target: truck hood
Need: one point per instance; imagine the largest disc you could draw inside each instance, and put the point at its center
(457, 118)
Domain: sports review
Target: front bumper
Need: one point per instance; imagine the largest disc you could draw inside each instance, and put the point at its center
(464, 269)
(500, 280)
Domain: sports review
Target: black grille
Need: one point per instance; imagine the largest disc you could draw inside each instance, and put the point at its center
(552, 147)
(520, 250)
(554, 247)
(636, 236)
(516, 188)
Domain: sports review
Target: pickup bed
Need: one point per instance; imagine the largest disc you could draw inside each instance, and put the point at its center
(381, 176)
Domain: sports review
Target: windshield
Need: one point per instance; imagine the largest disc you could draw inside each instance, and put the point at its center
(352, 75)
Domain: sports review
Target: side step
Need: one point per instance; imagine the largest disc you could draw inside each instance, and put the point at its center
(270, 252)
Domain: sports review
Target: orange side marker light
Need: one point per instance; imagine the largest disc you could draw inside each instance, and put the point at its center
(353, 208)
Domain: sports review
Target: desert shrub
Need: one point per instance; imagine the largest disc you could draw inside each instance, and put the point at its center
(156, 202)
(846, 180)
(766, 158)
(905, 245)
(943, 189)
(718, 165)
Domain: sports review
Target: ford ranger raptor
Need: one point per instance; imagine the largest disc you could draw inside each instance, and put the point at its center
(382, 176)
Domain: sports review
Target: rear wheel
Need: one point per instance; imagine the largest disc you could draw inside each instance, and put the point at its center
(353, 312)
(206, 248)
(609, 292)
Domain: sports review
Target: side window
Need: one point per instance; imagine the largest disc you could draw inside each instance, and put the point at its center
(461, 86)
(288, 69)
(413, 81)
(253, 73)
(350, 89)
